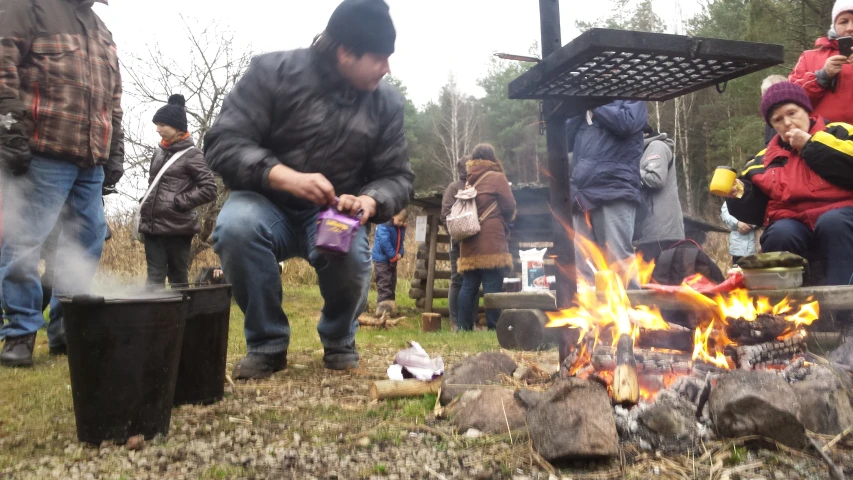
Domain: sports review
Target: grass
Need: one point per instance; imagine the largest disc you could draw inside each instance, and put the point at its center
(37, 414)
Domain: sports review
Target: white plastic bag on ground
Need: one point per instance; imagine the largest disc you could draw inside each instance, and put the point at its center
(414, 362)
(533, 276)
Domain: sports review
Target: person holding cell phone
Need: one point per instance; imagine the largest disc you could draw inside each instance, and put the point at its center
(826, 73)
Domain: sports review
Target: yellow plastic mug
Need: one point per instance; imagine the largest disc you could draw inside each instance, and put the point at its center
(723, 181)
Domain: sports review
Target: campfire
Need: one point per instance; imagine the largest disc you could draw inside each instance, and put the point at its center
(637, 353)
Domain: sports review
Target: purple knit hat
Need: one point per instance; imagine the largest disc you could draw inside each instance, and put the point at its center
(781, 93)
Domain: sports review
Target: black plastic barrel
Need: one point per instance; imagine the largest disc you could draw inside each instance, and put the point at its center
(123, 359)
(201, 375)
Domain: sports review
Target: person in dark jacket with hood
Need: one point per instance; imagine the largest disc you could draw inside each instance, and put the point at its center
(167, 218)
(660, 223)
(447, 202)
(301, 131)
(606, 145)
(800, 188)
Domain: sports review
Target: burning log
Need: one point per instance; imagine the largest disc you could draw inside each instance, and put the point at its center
(648, 361)
(771, 353)
(764, 328)
(676, 338)
(625, 389)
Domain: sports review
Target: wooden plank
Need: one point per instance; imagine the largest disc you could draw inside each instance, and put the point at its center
(440, 256)
(445, 312)
(545, 301)
(419, 303)
(437, 275)
(433, 246)
(437, 293)
(828, 297)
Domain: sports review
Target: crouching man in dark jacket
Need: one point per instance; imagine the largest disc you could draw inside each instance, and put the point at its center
(300, 128)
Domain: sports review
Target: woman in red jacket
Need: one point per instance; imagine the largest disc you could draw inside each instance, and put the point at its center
(826, 76)
(801, 186)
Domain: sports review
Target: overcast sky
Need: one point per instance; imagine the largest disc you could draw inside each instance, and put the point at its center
(434, 37)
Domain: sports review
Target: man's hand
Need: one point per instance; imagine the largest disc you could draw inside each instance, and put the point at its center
(395, 259)
(313, 187)
(351, 204)
(743, 228)
(16, 156)
(833, 64)
(797, 138)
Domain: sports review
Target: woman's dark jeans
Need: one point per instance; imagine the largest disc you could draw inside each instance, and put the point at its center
(492, 280)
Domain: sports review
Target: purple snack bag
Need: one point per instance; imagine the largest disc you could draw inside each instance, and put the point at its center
(335, 231)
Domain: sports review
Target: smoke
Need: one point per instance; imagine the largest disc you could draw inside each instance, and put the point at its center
(29, 215)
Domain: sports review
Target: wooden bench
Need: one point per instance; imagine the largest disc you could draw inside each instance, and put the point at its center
(829, 298)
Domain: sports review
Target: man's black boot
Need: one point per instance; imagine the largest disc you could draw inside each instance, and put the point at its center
(340, 358)
(255, 366)
(18, 351)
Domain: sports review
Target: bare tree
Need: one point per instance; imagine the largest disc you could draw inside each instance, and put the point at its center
(454, 125)
(212, 69)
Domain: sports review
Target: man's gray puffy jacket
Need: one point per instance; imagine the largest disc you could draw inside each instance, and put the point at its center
(294, 109)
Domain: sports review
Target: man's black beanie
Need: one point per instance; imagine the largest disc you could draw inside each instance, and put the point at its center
(364, 26)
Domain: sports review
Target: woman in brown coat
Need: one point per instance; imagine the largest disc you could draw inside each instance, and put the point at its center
(484, 258)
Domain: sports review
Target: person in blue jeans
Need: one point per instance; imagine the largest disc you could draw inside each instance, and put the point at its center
(388, 249)
(61, 147)
(300, 128)
(485, 257)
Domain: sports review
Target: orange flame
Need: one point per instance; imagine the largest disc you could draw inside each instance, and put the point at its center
(701, 350)
(605, 305)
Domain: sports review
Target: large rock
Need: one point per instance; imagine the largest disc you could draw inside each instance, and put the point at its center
(670, 416)
(489, 411)
(482, 369)
(844, 353)
(572, 420)
(756, 403)
(669, 424)
(824, 403)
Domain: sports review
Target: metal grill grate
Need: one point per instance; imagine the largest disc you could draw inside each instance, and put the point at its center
(603, 65)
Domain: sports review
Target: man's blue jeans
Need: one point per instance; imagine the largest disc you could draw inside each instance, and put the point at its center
(32, 204)
(251, 236)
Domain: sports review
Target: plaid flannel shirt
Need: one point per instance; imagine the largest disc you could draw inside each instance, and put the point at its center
(59, 74)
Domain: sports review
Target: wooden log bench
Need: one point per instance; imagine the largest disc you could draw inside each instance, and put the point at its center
(832, 298)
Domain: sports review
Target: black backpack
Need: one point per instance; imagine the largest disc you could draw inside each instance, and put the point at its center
(682, 260)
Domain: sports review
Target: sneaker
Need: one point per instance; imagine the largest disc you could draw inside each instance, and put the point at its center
(256, 366)
(340, 358)
(18, 351)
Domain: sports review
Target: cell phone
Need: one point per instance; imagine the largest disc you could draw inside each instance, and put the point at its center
(845, 46)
